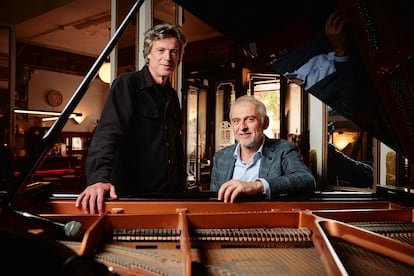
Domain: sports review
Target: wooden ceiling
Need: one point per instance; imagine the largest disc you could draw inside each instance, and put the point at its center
(68, 35)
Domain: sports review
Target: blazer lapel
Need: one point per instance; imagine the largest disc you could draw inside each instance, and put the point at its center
(229, 167)
(267, 157)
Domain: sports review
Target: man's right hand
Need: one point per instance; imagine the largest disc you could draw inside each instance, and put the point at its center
(231, 189)
(92, 199)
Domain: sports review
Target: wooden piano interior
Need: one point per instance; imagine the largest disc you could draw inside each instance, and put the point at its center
(246, 238)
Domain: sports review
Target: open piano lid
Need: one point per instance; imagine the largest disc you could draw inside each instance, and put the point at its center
(383, 33)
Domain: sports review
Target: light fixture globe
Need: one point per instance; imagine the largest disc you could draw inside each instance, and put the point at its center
(105, 72)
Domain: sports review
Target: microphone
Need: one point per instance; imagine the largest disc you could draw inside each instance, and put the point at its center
(72, 229)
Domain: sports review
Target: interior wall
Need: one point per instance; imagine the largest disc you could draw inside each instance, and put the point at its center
(41, 82)
(316, 141)
(294, 112)
(387, 166)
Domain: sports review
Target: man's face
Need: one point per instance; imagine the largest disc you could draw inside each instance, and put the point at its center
(163, 58)
(247, 125)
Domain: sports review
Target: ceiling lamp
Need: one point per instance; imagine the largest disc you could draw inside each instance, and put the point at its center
(42, 112)
(77, 116)
(105, 72)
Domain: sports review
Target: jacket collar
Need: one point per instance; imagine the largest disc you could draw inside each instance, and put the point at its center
(147, 80)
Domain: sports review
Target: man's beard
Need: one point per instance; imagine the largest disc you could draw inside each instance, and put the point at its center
(252, 142)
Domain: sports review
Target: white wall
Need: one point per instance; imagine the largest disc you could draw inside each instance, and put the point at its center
(384, 150)
(90, 106)
(294, 114)
(316, 121)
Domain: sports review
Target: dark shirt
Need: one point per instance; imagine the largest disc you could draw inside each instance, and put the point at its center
(137, 144)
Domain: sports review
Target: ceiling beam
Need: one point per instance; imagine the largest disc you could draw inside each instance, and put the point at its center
(53, 60)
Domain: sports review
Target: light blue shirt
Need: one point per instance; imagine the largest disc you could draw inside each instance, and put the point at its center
(250, 172)
(316, 69)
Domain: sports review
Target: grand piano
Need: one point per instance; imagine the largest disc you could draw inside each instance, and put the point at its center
(194, 234)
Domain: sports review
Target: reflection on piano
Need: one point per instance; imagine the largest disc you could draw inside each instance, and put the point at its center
(379, 29)
(333, 234)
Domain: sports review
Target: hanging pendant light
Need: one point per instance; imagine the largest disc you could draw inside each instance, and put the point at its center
(105, 72)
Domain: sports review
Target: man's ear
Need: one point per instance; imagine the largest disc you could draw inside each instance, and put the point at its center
(266, 122)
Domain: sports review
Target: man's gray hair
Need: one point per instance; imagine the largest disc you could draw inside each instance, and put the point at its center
(261, 108)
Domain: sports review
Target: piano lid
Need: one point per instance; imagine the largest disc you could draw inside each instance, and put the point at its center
(382, 31)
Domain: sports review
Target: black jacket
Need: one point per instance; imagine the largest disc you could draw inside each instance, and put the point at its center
(137, 144)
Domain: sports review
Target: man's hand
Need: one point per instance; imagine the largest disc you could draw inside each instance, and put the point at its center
(231, 189)
(92, 199)
(335, 32)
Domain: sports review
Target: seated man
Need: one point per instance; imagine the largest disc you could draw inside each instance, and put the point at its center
(257, 164)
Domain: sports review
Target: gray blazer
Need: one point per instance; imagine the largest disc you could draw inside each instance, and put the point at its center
(281, 165)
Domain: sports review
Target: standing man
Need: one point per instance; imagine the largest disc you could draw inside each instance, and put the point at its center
(137, 145)
(257, 164)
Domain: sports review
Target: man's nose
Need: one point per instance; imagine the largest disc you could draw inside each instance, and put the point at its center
(168, 55)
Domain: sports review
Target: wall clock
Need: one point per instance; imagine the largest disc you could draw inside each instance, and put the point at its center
(54, 98)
